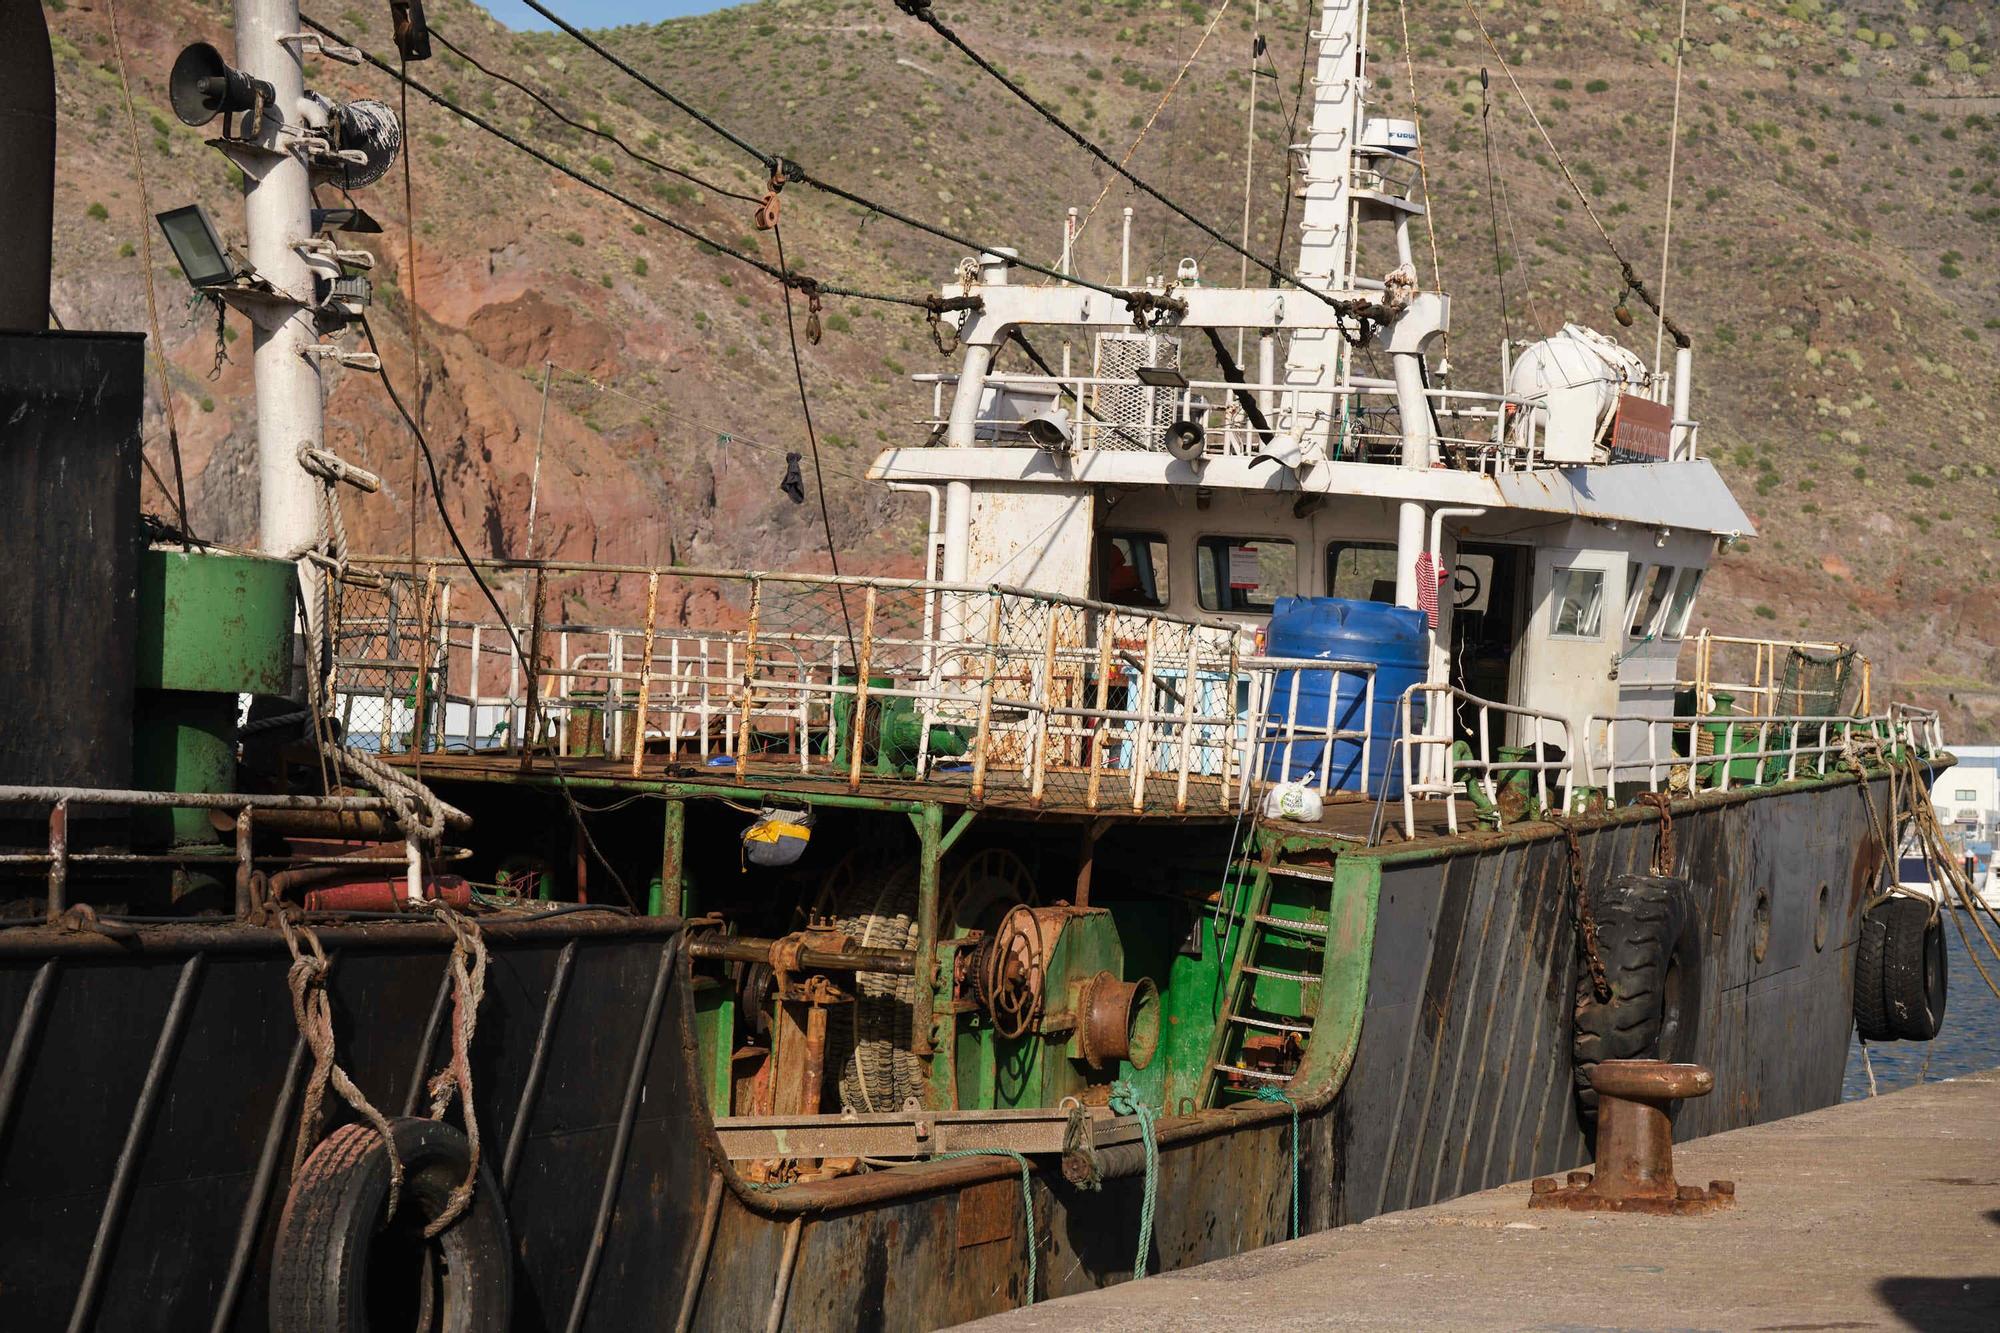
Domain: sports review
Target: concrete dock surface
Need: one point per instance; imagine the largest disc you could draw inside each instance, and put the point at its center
(1878, 1214)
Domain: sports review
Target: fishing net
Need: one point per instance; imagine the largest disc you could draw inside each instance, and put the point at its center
(1815, 684)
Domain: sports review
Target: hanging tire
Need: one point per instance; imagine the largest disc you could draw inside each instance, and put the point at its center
(1913, 968)
(337, 1269)
(1649, 940)
(1872, 1021)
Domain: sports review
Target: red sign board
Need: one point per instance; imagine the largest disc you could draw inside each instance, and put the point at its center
(1642, 429)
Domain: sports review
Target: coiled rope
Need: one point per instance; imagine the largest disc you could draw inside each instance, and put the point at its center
(1271, 1094)
(1125, 1100)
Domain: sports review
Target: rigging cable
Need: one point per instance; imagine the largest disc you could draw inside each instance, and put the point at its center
(785, 171)
(1673, 155)
(721, 247)
(1292, 134)
(179, 493)
(466, 558)
(1423, 173)
(921, 11)
(1250, 148)
(1633, 283)
(1493, 204)
(722, 436)
(1146, 128)
(588, 128)
(812, 436)
(416, 316)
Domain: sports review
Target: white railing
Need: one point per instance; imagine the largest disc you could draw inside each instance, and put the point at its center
(1433, 765)
(1478, 432)
(1721, 752)
(1020, 694)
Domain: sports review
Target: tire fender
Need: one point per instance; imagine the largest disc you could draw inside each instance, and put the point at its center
(1649, 937)
(337, 1269)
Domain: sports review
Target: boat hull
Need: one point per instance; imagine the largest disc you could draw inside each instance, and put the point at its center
(157, 1210)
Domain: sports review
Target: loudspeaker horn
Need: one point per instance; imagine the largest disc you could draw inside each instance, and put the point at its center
(203, 86)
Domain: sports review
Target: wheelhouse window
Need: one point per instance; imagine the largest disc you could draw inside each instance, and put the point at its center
(1682, 607)
(1244, 573)
(1362, 571)
(1132, 569)
(1577, 600)
(1649, 596)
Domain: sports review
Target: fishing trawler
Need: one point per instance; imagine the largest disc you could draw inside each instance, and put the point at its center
(1286, 782)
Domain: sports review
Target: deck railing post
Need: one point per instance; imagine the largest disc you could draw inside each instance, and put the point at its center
(1189, 688)
(1107, 633)
(982, 738)
(857, 718)
(1045, 700)
(1142, 758)
(243, 864)
(645, 674)
(749, 676)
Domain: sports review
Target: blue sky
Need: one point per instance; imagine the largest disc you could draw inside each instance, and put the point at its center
(599, 13)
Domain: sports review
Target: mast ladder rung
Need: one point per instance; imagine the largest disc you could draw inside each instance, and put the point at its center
(1286, 923)
(1262, 1076)
(1269, 1024)
(1282, 974)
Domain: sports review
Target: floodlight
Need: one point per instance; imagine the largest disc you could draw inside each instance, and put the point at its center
(197, 247)
(1161, 377)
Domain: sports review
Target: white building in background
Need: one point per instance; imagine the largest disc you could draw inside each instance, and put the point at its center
(1967, 795)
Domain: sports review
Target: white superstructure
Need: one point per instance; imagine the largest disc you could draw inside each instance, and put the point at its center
(1568, 505)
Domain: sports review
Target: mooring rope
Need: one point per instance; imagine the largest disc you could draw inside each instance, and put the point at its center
(313, 1012)
(1125, 1100)
(1027, 1199)
(468, 985)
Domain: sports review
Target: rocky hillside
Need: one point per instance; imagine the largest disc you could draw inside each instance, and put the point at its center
(1835, 247)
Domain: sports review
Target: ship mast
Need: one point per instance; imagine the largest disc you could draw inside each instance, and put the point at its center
(1317, 358)
(277, 216)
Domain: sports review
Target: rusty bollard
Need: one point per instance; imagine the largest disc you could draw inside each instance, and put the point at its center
(1635, 1146)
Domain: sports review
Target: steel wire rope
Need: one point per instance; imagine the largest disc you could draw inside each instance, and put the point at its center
(587, 128)
(721, 247)
(1673, 160)
(1633, 282)
(784, 170)
(179, 494)
(654, 405)
(1493, 205)
(921, 11)
(1423, 171)
(812, 442)
(1146, 129)
(472, 567)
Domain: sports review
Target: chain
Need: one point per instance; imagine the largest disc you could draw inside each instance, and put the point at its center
(1586, 919)
(1663, 847)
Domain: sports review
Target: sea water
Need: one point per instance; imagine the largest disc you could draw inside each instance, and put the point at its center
(1969, 1043)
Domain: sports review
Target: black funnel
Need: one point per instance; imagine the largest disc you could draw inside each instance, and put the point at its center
(27, 164)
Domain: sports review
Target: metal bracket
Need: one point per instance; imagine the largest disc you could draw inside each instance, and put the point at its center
(352, 360)
(311, 43)
(320, 245)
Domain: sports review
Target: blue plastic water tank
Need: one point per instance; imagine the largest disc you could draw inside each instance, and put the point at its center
(1393, 638)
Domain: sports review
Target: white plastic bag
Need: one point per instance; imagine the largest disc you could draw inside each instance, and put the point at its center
(1296, 800)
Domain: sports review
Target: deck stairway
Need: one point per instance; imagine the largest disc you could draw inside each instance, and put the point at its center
(1276, 957)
